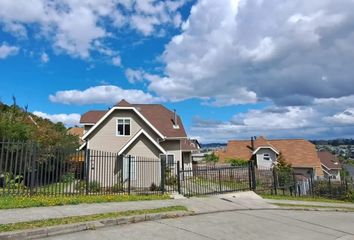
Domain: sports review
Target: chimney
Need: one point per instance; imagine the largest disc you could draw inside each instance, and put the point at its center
(175, 124)
(252, 143)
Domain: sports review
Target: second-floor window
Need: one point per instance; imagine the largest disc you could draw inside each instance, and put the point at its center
(266, 156)
(123, 126)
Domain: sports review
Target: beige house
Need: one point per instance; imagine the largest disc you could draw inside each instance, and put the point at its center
(144, 131)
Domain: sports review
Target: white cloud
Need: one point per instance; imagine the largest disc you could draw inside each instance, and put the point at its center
(278, 51)
(134, 76)
(107, 94)
(74, 26)
(7, 50)
(117, 61)
(346, 117)
(44, 58)
(67, 119)
(325, 118)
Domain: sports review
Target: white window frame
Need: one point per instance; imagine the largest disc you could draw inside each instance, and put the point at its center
(266, 155)
(169, 154)
(130, 123)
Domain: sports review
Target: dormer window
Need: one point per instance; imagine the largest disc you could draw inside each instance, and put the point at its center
(123, 126)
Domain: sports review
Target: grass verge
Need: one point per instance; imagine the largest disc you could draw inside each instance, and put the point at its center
(85, 218)
(8, 202)
(303, 198)
(313, 206)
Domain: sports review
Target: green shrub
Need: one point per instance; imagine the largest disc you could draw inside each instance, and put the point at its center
(118, 187)
(94, 186)
(68, 177)
(154, 187)
(237, 162)
(80, 186)
(13, 182)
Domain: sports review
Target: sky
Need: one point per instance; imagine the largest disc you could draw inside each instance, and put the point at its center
(231, 68)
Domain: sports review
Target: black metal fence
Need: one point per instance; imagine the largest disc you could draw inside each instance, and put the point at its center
(28, 169)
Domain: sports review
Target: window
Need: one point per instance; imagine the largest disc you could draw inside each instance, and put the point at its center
(170, 159)
(123, 126)
(266, 156)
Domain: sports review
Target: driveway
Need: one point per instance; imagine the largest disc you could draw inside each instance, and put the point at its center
(244, 224)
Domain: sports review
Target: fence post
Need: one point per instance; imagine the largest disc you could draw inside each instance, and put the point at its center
(129, 172)
(33, 166)
(275, 180)
(178, 178)
(250, 174)
(295, 183)
(87, 179)
(254, 183)
(219, 173)
(163, 173)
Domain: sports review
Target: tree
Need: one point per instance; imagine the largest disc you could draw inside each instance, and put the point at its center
(284, 171)
(211, 158)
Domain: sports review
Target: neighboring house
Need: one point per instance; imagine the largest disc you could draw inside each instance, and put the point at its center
(141, 130)
(76, 131)
(301, 154)
(330, 165)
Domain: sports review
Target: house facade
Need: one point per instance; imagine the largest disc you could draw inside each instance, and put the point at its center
(330, 165)
(300, 153)
(149, 131)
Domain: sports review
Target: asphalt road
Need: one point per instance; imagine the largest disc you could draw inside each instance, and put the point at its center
(248, 224)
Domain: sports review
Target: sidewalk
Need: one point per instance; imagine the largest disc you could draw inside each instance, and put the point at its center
(311, 203)
(219, 203)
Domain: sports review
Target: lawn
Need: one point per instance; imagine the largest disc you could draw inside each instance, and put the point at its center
(85, 218)
(349, 209)
(302, 198)
(7, 202)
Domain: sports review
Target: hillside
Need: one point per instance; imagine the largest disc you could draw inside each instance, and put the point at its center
(18, 124)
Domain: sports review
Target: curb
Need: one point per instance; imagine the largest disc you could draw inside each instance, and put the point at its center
(93, 225)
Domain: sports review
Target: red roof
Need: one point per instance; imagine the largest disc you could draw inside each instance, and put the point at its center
(300, 153)
(158, 115)
(329, 160)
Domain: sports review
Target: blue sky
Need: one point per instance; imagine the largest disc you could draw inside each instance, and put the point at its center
(232, 69)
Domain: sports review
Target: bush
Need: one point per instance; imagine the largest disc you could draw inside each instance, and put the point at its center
(80, 186)
(94, 186)
(154, 187)
(118, 187)
(238, 162)
(171, 180)
(68, 177)
(13, 182)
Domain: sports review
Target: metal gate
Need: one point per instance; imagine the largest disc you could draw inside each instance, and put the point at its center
(206, 180)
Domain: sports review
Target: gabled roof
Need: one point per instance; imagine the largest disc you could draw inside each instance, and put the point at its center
(92, 117)
(329, 160)
(299, 153)
(189, 145)
(157, 115)
(138, 134)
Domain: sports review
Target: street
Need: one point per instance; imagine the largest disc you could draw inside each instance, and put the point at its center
(245, 224)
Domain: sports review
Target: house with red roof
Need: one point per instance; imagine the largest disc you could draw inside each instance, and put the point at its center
(330, 165)
(140, 130)
(300, 153)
